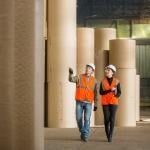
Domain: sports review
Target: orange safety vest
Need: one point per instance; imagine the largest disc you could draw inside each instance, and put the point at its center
(85, 89)
(109, 98)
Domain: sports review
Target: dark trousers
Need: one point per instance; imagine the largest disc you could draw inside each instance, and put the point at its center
(109, 118)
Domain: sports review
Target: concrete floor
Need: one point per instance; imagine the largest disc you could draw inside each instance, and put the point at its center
(125, 138)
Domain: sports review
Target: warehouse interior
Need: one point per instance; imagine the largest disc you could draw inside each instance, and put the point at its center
(40, 40)
(131, 20)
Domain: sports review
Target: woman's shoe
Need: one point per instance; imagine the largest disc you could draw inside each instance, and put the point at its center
(110, 138)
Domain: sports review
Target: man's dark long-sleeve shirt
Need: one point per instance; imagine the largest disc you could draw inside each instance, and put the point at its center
(104, 92)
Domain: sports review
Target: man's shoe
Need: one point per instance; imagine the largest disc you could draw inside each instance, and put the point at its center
(85, 139)
(81, 137)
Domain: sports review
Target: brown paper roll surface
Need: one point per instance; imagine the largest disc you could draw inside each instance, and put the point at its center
(61, 56)
(85, 52)
(6, 73)
(85, 48)
(101, 60)
(137, 97)
(126, 112)
(22, 75)
(102, 37)
(122, 53)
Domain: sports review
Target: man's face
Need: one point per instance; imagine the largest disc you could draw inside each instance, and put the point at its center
(108, 73)
(88, 70)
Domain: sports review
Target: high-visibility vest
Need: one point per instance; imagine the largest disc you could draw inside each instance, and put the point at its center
(85, 89)
(109, 98)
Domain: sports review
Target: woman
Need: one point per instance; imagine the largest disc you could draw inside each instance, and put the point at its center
(110, 91)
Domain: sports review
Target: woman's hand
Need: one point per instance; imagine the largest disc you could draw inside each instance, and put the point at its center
(113, 89)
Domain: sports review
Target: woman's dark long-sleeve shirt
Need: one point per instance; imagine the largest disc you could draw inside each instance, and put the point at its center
(104, 92)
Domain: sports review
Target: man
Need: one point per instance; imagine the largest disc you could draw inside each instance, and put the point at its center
(86, 94)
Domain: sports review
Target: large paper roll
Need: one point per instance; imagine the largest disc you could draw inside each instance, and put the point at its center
(21, 75)
(85, 48)
(6, 73)
(137, 97)
(99, 117)
(101, 60)
(62, 105)
(122, 53)
(39, 75)
(102, 38)
(85, 52)
(61, 56)
(126, 112)
(45, 20)
(28, 75)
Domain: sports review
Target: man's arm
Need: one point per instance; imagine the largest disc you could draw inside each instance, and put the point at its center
(95, 93)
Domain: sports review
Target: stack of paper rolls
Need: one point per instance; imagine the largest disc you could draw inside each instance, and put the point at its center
(122, 55)
(85, 52)
(102, 37)
(21, 75)
(61, 56)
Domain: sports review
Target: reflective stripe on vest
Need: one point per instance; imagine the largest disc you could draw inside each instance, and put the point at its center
(85, 89)
(109, 98)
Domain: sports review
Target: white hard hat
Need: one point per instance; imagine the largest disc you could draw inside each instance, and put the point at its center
(112, 67)
(91, 65)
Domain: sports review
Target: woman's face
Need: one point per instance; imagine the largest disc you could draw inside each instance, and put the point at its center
(108, 73)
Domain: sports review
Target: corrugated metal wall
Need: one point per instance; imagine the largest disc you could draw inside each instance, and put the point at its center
(143, 68)
(143, 60)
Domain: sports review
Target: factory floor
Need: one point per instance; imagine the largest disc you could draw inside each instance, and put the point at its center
(125, 138)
